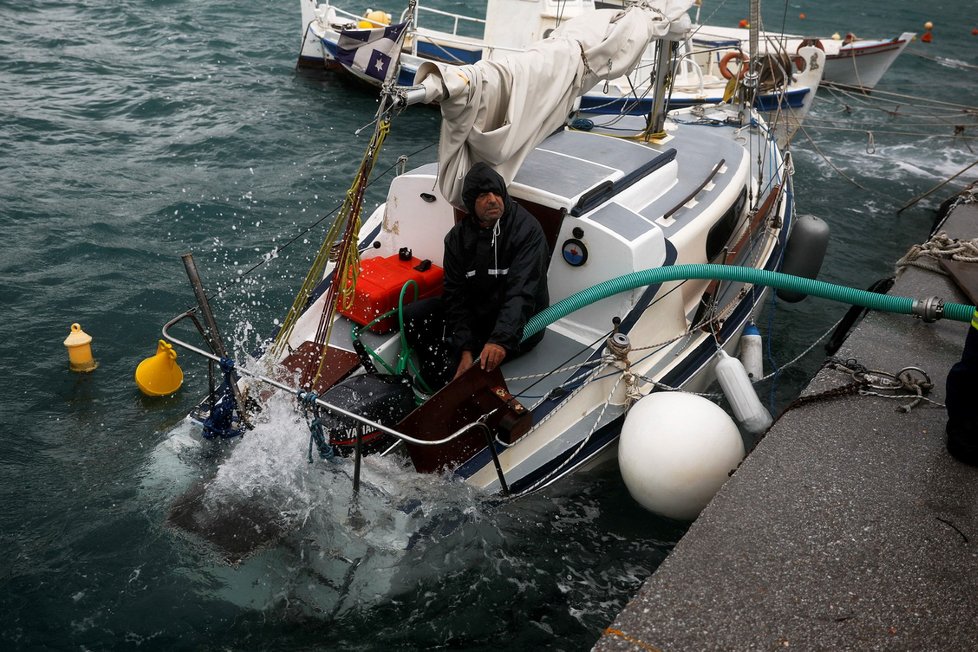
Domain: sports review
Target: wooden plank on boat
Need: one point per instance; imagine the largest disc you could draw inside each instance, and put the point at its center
(964, 275)
(471, 396)
(339, 364)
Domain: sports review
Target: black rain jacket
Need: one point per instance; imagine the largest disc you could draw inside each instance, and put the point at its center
(495, 277)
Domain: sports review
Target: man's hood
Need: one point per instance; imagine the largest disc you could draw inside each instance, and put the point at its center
(482, 178)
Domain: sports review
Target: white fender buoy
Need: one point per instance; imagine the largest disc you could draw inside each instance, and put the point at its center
(747, 408)
(752, 352)
(676, 451)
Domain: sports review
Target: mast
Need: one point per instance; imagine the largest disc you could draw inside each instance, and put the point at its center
(753, 75)
(663, 68)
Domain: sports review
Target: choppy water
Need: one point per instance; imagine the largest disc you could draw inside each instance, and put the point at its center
(132, 133)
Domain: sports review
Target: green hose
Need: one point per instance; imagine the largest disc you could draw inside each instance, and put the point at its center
(884, 302)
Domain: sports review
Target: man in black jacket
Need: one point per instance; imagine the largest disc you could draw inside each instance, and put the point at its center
(495, 265)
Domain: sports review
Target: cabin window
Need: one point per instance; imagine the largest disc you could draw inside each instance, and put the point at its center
(725, 227)
(550, 220)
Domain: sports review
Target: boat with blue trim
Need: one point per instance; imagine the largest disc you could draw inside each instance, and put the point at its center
(676, 192)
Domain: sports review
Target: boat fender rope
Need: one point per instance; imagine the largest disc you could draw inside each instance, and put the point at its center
(573, 457)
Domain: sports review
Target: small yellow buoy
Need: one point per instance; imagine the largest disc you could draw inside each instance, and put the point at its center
(928, 25)
(160, 375)
(79, 344)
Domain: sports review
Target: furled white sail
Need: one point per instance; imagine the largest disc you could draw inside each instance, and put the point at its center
(498, 111)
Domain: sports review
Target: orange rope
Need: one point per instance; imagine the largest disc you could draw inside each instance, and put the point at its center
(631, 639)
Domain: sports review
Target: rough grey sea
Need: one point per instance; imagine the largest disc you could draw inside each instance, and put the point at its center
(131, 133)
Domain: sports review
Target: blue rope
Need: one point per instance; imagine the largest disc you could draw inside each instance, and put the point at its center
(317, 434)
(220, 421)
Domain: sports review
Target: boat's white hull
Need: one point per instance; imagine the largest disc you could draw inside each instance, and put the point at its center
(582, 428)
(615, 203)
(864, 63)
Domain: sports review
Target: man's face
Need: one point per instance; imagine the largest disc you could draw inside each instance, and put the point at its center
(488, 207)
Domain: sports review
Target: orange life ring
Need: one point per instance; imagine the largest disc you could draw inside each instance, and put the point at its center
(730, 56)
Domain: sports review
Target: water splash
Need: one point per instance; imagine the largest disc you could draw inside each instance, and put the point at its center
(298, 530)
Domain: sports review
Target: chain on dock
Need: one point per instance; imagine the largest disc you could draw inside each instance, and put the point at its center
(910, 382)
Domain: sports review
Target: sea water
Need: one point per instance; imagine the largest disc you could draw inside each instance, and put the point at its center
(135, 132)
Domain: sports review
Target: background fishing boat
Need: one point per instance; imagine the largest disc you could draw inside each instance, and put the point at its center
(849, 61)
(508, 26)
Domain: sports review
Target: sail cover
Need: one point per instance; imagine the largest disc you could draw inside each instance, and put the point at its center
(497, 111)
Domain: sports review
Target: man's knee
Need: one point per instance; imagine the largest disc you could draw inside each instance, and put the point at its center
(423, 313)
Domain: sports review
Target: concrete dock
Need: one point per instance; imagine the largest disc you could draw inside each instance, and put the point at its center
(849, 527)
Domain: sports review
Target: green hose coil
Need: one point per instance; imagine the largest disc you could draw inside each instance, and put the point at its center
(654, 276)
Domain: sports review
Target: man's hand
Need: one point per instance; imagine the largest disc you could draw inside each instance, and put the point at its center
(492, 356)
(464, 364)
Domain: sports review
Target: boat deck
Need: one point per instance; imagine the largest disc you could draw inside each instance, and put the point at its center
(524, 374)
(848, 528)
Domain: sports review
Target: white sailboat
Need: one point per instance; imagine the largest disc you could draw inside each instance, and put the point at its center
(633, 214)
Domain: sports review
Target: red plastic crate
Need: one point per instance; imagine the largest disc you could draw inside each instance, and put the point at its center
(379, 287)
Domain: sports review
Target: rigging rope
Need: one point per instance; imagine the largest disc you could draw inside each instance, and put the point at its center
(347, 262)
(832, 165)
(939, 246)
(348, 223)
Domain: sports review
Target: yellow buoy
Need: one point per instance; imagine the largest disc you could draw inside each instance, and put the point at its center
(160, 375)
(79, 345)
(928, 26)
(371, 19)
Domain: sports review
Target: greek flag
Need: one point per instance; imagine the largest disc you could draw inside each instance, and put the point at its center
(370, 51)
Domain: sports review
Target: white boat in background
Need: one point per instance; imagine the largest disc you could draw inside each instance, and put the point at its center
(849, 61)
(513, 25)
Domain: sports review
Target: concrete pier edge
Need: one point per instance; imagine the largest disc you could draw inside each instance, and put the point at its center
(849, 527)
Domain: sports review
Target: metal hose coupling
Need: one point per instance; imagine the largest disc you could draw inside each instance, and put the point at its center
(930, 309)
